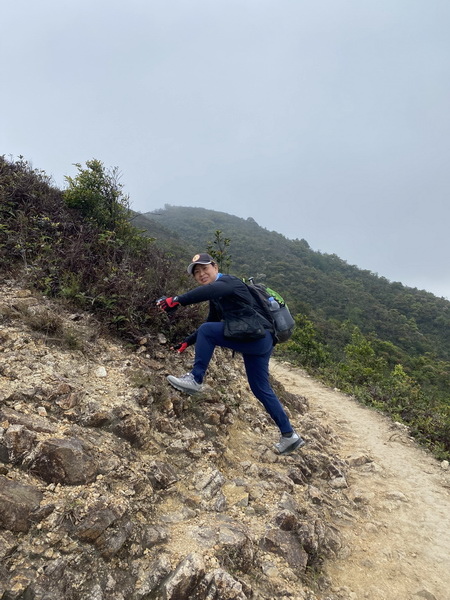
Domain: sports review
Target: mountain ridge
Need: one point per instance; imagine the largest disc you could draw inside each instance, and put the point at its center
(317, 284)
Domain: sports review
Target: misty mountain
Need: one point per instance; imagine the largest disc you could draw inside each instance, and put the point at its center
(322, 286)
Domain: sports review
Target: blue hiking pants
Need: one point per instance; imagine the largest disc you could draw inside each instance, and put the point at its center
(256, 356)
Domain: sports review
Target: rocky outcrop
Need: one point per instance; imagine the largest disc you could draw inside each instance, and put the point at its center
(113, 485)
(17, 502)
(64, 460)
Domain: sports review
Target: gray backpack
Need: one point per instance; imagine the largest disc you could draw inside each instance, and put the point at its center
(275, 309)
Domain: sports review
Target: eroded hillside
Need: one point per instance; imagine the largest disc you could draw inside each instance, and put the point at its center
(115, 486)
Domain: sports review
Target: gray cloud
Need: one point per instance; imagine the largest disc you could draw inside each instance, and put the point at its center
(322, 120)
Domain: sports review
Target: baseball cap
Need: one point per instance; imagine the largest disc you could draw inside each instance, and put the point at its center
(200, 259)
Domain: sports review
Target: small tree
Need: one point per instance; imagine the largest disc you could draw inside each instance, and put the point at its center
(361, 366)
(304, 345)
(98, 194)
(218, 249)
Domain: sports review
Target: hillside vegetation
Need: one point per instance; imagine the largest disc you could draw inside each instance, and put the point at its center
(386, 343)
(81, 246)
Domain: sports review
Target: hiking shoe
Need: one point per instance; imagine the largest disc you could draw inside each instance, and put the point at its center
(286, 445)
(185, 383)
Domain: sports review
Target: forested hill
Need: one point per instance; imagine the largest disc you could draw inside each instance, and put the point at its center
(322, 286)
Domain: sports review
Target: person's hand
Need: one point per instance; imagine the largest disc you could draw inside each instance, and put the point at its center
(168, 305)
(181, 347)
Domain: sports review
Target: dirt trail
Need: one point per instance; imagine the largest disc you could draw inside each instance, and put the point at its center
(397, 542)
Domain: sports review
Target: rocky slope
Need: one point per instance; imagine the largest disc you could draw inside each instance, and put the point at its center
(113, 485)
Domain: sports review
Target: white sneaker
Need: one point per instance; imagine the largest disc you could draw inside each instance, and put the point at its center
(286, 445)
(185, 383)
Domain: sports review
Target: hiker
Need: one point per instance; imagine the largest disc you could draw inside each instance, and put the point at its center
(234, 321)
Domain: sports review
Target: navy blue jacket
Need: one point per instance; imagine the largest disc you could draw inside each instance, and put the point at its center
(226, 295)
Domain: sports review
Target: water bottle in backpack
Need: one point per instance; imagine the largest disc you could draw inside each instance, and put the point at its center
(284, 322)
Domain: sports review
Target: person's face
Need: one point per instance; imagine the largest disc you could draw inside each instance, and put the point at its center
(204, 274)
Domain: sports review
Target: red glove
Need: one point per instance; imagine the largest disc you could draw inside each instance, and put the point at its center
(180, 348)
(168, 305)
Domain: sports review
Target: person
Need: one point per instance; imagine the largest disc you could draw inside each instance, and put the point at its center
(234, 321)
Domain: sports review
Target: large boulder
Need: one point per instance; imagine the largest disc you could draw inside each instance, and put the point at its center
(67, 461)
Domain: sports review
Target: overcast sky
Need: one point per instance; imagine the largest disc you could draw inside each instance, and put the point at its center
(327, 120)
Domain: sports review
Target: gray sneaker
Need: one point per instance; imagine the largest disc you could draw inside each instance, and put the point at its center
(185, 383)
(286, 445)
